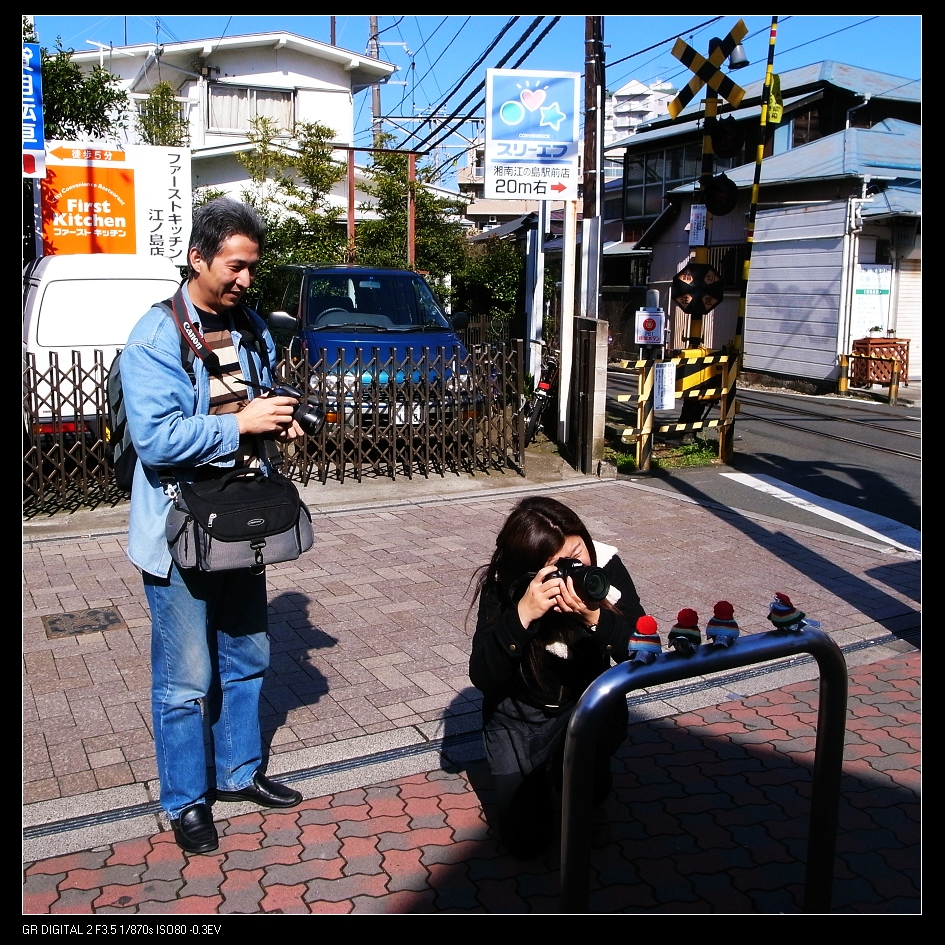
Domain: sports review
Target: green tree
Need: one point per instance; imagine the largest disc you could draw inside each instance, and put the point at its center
(291, 187)
(491, 282)
(439, 245)
(159, 118)
(77, 105)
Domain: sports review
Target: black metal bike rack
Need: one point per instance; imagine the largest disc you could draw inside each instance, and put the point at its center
(671, 667)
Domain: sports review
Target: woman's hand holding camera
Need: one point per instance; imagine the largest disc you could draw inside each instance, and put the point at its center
(569, 602)
(555, 594)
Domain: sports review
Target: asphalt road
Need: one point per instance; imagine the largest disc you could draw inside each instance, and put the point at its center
(812, 447)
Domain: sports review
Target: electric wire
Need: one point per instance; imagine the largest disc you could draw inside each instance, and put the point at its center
(445, 48)
(433, 134)
(435, 173)
(827, 35)
(386, 28)
(458, 85)
(418, 83)
(671, 39)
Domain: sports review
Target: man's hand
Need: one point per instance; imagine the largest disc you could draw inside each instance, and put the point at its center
(269, 415)
(290, 433)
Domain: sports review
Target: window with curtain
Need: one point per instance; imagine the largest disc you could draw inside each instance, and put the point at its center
(233, 107)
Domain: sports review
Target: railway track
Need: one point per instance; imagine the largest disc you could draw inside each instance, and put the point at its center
(820, 416)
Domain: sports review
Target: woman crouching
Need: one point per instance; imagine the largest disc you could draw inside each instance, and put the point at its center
(539, 643)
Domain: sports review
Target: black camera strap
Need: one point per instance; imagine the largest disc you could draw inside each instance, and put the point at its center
(194, 339)
(190, 333)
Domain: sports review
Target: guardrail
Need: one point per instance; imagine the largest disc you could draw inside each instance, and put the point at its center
(617, 682)
(891, 375)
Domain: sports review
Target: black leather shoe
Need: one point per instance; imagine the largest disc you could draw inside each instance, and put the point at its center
(264, 792)
(194, 830)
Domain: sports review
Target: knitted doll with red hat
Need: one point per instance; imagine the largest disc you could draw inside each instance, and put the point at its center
(644, 643)
(721, 628)
(784, 615)
(685, 635)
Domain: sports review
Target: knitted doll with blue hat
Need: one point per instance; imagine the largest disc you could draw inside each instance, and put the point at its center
(721, 628)
(685, 635)
(784, 615)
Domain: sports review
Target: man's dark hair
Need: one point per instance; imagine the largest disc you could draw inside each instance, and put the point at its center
(215, 222)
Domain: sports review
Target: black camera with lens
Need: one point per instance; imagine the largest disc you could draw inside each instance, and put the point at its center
(309, 416)
(590, 582)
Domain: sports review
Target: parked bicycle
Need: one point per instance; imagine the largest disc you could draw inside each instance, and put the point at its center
(535, 407)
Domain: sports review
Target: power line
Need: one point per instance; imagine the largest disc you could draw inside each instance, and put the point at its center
(548, 28)
(386, 28)
(827, 35)
(531, 28)
(420, 81)
(534, 45)
(458, 85)
(663, 42)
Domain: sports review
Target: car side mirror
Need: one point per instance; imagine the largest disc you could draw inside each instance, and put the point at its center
(460, 321)
(282, 321)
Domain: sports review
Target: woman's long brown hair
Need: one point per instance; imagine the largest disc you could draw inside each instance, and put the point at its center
(536, 529)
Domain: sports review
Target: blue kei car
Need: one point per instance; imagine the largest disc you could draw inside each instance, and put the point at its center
(379, 347)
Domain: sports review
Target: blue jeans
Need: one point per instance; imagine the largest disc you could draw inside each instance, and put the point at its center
(209, 644)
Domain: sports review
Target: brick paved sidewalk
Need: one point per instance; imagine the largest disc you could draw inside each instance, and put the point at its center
(709, 814)
(370, 630)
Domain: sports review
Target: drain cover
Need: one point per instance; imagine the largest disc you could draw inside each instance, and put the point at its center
(85, 621)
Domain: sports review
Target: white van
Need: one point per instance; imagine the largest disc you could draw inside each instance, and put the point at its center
(80, 303)
(83, 303)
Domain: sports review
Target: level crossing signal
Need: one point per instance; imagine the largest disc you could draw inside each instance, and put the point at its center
(708, 71)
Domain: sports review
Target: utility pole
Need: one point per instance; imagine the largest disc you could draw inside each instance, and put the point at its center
(590, 403)
(593, 164)
(374, 53)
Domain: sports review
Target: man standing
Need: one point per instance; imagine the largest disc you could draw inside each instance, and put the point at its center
(209, 631)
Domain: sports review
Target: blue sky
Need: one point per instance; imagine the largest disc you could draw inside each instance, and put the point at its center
(433, 52)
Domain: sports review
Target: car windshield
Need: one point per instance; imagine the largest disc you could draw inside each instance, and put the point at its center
(372, 301)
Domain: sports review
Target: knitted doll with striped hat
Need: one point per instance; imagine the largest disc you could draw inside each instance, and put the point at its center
(721, 628)
(644, 644)
(685, 635)
(784, 615)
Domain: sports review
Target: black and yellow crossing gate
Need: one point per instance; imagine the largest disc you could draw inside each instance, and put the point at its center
(709, 378)
(708, 70)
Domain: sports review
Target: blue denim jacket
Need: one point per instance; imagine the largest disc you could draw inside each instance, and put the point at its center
(170, 425)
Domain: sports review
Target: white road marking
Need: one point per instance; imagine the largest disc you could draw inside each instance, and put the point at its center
(869, 523)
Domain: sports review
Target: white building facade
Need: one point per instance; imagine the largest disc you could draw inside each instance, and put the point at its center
(222, 84)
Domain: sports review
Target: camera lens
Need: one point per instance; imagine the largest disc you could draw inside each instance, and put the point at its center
(310, 417)
(596, 584)
(590, 582)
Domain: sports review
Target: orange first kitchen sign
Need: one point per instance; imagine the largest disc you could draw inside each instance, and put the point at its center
(97, 199)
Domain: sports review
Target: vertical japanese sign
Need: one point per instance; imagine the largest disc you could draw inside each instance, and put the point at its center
(697, 224)
(97, 199)
(664, 386)
(531, 148)
(34, 144)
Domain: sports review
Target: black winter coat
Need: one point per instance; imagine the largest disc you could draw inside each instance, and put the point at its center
(525, 714)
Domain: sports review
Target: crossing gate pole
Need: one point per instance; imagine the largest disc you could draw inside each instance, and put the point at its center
(647, 371)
